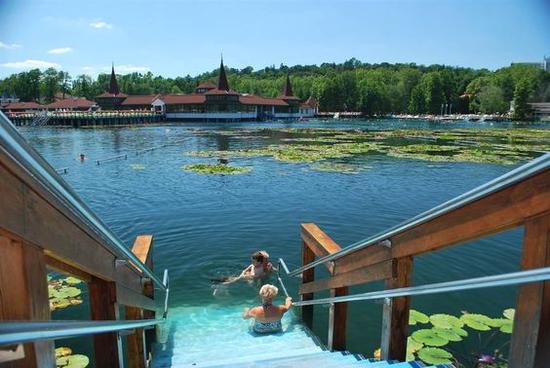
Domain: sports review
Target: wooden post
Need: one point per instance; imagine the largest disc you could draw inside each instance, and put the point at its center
(337, 322)
(531, 335)
(136, 341)
(107, 346)
(395, 317)
(309, 275)
(24, 296)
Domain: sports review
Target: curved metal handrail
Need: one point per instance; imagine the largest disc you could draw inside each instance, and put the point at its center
(17, 148)
(531, 168)
(18, 332)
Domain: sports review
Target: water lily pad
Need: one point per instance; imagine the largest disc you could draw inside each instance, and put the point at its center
(72, 280)
(377, 354)
(460, 331)
(509, 313)
(137, 166)
(445, 321)
(59, 303)
(417, 317)
(447, 334)
(478, 322)
(217, 169)
(504, 324)
(429, 337)
(69, 292)
(62, 361)
(78, 361)
(336, 167)
(435, 356)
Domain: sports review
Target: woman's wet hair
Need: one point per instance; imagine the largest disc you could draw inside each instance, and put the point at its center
(269, 291)
(258, 256)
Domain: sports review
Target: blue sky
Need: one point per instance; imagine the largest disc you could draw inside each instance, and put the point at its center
(174, 38)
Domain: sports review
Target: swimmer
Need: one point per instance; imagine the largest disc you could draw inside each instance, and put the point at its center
(82, 157)
(259, 268)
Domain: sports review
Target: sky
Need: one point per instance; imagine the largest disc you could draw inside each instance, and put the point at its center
(176, 38)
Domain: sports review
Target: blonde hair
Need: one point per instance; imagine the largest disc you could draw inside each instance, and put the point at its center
(269, 291)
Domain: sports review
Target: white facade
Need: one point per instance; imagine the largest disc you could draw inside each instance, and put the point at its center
(212, 115)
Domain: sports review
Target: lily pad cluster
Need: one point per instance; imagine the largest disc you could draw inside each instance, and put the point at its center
(64, 292)
(64, 358)
(427, 343)
(496, 146)
(137, 166)
(217, 169)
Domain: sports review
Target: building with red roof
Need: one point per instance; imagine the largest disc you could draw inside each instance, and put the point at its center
(72, 104)
(212, 102)
(22, 107)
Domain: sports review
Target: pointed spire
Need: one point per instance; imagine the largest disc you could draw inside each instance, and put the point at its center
(222, 78)
(287, 90)
(113, 84)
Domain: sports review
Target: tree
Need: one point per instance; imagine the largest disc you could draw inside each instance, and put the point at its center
(491, 100)
(521, 96)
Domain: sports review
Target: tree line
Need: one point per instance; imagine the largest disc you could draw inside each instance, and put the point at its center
(374, 89)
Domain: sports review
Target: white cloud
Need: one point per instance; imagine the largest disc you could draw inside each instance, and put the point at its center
(9, 47)
(31, 64)
(60, 51)
(101, 25)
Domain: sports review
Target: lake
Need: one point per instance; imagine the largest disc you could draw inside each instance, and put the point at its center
(206, 226)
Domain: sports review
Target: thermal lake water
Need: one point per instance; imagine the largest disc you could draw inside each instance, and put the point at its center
(206, 226)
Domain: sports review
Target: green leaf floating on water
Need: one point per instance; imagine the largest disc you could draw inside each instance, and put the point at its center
(478, 322)
(217, 169)
(337, 167)
(72, 280)
(412, 347)
(69, 292)
(447, 334)
(417, 317)
(78, 361)
(445, 321)
(509, 313)
(435, 355)
(429, 337)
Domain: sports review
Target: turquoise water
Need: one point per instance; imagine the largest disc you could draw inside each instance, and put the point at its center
(206, 226)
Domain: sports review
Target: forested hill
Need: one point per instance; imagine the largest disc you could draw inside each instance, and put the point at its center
(352, 85)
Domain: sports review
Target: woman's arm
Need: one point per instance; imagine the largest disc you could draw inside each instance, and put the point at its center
(248, 313)
(288, 304)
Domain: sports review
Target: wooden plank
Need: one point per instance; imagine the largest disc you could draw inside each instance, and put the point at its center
(338, 317)
(503, 210)
(128, 297)
(319, 242)
(308, 276)
(379, 271)
(531, 336)
(135, 341)
(363, 258)
(395, 315)
(24, 296)
(29, 216)
(143, 249)
(103, 305)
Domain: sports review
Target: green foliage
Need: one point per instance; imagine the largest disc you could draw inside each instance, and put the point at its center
(216, 169)
(521, 96)
(64, 358)
(417, 317)
(63, 292)
(429, 337)
(435, 355)
(372, 88)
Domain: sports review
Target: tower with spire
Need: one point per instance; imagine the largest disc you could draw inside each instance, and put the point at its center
(288, 97)
(222, 98)
(112, 98)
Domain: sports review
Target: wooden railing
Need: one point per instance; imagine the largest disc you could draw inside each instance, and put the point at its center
(39, 232)
(525, 203)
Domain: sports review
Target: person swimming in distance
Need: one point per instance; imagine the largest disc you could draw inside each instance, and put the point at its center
(267, 317)
(82, 157)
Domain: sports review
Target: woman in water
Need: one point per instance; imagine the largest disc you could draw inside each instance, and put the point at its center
(267, 317)
(259, 268)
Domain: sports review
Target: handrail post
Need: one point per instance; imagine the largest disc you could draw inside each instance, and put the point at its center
(24, 296)
(531, 334)
(308, 276)
(103, 305)
(337, 321)
(395, 315)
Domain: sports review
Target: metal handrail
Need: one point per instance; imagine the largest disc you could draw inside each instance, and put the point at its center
(20, 151)
(513, 278)
(17, 332)
(521, 173)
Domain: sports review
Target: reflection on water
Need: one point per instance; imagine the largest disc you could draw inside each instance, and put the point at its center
(206, 226)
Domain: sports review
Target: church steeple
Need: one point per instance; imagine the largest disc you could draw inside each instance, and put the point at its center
(113, 84)
(287, 89)
(222, 78)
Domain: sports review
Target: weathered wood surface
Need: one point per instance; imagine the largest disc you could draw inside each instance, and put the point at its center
(530, 347)
(32, 214)
(24, 296)
(379, 271)
(103, 305)
(395, 315)
(143, 249)
(128, 297)
(308, 276)
(338, 320)
(135, 341)
(319, 242)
